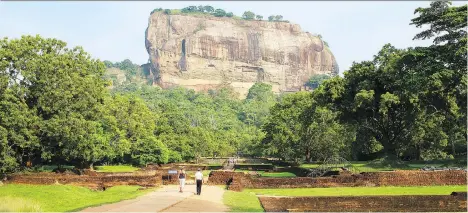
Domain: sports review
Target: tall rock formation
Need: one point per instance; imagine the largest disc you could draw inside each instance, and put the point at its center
(206, 52)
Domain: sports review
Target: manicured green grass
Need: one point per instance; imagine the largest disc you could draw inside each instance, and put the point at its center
(65, 198)
(14, 204)
(119, 168)
(361, 191)
(242, 202)
(278, 174)
(269, 174)
(363, 166)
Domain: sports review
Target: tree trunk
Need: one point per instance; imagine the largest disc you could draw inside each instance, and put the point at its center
(418, 152)
(453, 148)
(307, 155)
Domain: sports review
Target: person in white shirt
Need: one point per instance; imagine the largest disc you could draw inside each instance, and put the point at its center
(199, 180)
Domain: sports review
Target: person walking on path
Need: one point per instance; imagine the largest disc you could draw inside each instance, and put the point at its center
(199, 180)
(181, 180)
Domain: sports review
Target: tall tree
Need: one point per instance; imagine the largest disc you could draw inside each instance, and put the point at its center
(208, 9)
(248, 15)
(65, 88)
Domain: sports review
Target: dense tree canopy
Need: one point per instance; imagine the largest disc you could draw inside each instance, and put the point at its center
(405, 103)
(56, 107)
(316, 80)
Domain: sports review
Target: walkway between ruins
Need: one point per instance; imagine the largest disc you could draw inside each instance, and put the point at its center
(168, 199)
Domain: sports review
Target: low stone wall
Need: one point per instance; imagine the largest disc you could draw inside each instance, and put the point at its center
(170, 179)
(96, 181)
(238, 181)
(220, 177)
(407, 203)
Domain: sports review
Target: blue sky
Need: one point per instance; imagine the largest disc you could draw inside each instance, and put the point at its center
(114, 31)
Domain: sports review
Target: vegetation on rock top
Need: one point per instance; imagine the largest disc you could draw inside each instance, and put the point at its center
(209, 10)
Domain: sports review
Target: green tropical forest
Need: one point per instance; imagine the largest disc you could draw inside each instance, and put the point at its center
(59, 106)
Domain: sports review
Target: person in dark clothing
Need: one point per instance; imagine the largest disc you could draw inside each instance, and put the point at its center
(199, 180)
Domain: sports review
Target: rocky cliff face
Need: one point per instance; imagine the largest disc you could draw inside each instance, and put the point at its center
(205, 52)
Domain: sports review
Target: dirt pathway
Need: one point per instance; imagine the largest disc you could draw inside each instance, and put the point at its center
(168, 199)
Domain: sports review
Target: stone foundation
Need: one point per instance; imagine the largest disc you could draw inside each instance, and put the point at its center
(408, 203)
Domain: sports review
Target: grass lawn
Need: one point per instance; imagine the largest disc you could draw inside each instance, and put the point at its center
(61, 198)
(360, 191)
(14, 204)
(242, 201)
(119, 168)
(277, 174)
(364, 166)
(269, 174)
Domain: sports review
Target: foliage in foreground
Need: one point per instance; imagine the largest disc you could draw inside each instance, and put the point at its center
(55, 108)
(242, 202)
(72, 198)
(360, 191)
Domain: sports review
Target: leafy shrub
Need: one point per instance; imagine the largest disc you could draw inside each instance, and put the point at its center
(248, 15)
(219, 13)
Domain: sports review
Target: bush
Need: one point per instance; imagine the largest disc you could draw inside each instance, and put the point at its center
(219, 13)
(156, 10)
(248, 15)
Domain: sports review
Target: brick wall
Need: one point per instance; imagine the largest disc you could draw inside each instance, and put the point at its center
(220, 177)
(95, 181)
(413, 203)
(238, 181)
(397, 178)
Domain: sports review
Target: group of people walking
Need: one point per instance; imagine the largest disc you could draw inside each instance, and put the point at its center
(198, 179)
